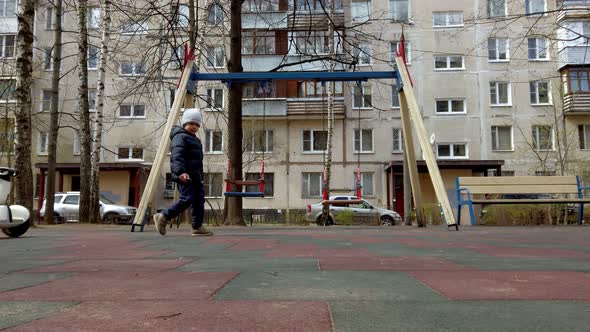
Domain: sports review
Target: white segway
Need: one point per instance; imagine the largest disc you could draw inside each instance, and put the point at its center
(14, 219)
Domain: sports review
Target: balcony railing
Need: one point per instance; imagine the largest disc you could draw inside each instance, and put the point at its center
(574, 55)
(314, 107)
(317, 20)
(573, 9)
(577, 103)
(271, 107)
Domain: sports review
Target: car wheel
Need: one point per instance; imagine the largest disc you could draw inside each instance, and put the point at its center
(17, 230)
(110, 218)
(387, 221)
(57, 219)
(329, 222)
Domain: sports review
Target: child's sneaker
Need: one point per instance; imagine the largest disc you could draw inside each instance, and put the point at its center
(160, 222)
(202, 231)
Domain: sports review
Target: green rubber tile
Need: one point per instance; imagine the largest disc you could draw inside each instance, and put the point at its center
(268, 265)
(19, 280)
(208, 252)
(395, 249)
(15, 265)
(20, 312)
(523, 264)
(460, 316)
(326, 285)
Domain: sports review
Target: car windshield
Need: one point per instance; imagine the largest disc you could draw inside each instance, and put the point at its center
(105, 200)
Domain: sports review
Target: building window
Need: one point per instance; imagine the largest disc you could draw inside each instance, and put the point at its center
(92, 100)
(255, 6)
(447, 19)
(500, 94)
(497, 8)
(180, 15)
(93, 54)
(540, 92)
(394, 96)
(130, 153)
(129, 68)
(7, 90)
(448, 62)
(315, 140)
(307, 89)
(213, 184)
(8, 8)
(367, 184)
(268, 183)
(308, 5)
(450, 106)
(259, 141)
(398, 140)
(43, 143)
(213, 141)
(398, 10)
(7, 46)
(502, 138)
(507, 173)
(362, 97)
(47, 58)
(543, 138)
(360, 10)
(170, 185)
(94, 17)
(133, 28)
(215, 14)
(538, 49)
(50, 18)
(407, 48)
(362, 53)
(451, 151)
(363, 141)
(535, 7)
(46, 96)
(498, 49)
(7, 135)
(76, 143)
(584, 135)
(314, 42)
(312, 185)
(258, 42)
(132, 111)
(257, 90)
(215, 57)
(215, 99)
(545, 173)
(576, 81)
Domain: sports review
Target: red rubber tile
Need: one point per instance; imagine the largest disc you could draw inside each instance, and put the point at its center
(413, 263)
(138, 265)
(314, 251)
(508, 285)
(532, 252)
(188, 316)
(108, 253)
(114, 286)
(371, 239)
(254, 244)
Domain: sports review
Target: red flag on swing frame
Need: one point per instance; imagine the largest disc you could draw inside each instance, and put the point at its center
(401, 52)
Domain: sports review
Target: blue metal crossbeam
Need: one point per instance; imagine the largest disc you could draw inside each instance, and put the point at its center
(303, 76)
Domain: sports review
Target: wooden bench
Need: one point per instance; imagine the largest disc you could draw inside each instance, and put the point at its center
(472, 190)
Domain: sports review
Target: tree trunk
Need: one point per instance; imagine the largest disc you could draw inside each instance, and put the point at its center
(234, 204)
(84, 120)
(95, 168)
(24, 76)
(53, 116)
(192, 25)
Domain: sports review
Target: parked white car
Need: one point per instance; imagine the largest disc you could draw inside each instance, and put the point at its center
(66, 209)
(361, 213)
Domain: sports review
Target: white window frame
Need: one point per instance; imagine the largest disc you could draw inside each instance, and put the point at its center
(489, 8)
(3, 9)
(364, 95)
(268, 141)
(398, 138)
(45, 105)
(395, 96)
(311, 141)
(447, 18)
(528, 8)
(450, 106)
(585, 144)
(94, 17)
(494, 129)
(207, 178)
(538, 49)
(209, 140)
(212, 62)
(211, 94)
(364, 53)
(355, 11)
(305, 191)
(497, 49)
(132, 108)
(496, 103)
(97, 57)
(181, 13)
(48, 58)
(394, 14)
(451, 150)
(408, 49)
(76, 144)
(43, 149)
(92, 95)
(8, 90)
(448, 62)
(364, 176)
(131, 28)
(218, 14)
(536, 131)
(534, 88)
(130, 153)
(355, 138)
(135, 66)
(4, 46)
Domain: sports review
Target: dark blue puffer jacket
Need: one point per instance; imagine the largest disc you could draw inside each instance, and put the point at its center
(186, 155)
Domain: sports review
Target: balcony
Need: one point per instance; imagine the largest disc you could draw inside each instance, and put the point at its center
(573, 55)
(314, 107)
(573, 10)
(270, 107)
(576, 104)
(264, 20)
(316, 20)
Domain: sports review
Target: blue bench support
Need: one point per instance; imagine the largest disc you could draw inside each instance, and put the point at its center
(581, 196)
(243, 194)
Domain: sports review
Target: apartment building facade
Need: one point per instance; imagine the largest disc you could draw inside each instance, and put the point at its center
(488, 75)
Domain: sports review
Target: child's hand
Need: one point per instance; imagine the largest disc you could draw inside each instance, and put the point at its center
(184, 177)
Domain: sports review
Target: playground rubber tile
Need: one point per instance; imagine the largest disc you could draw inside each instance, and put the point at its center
(508, 285)
(309, 251)
(325, 286)
(14, 265)
(270, 265)
(533, 252)
(371, 239)
(20, 280)
(109, 286)
(110, 253)
(20, 312)
(189, 316)
(489, 316)
(409, 263)
(254, 244)
(483, 263)
(135, 265)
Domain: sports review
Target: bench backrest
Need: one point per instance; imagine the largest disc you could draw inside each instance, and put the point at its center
(520, 184)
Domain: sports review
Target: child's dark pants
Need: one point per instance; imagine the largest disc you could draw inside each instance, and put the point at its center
(191, 194)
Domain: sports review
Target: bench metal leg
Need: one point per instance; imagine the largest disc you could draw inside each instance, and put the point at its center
(471, 213)
(580, 213)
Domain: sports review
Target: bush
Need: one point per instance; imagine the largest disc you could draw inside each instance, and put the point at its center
(523, 214)
(344, 218)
